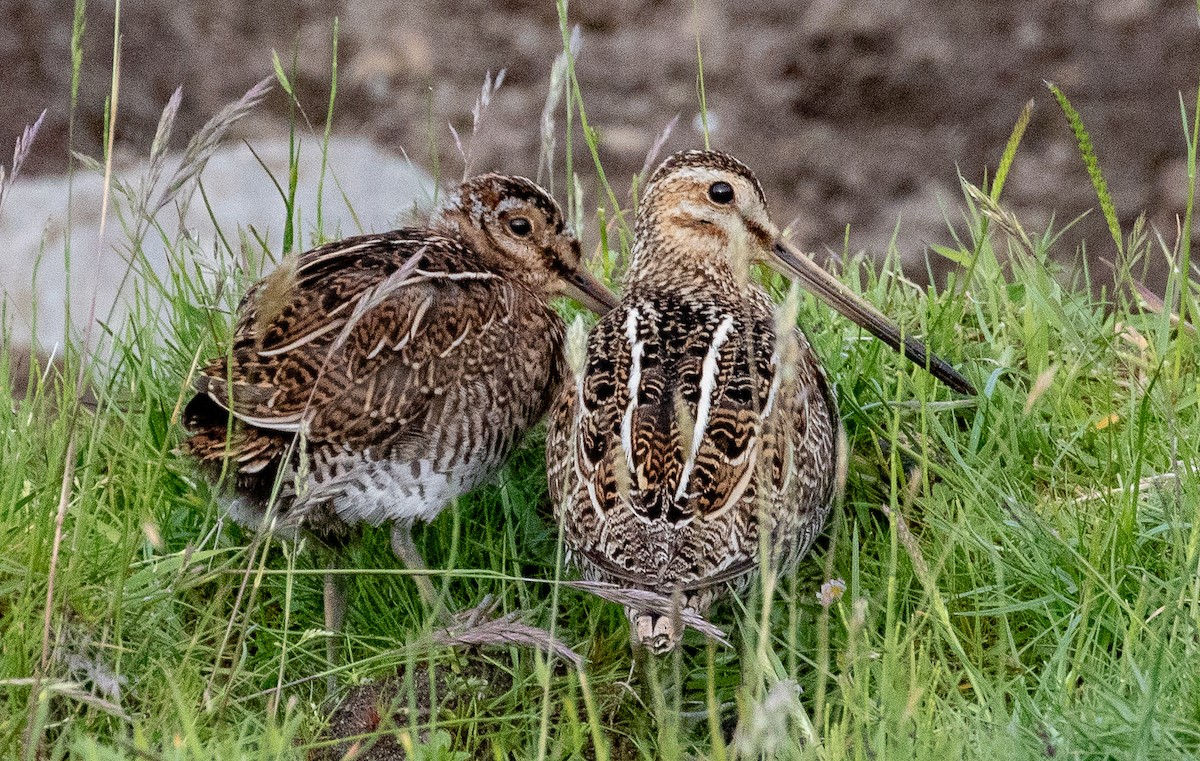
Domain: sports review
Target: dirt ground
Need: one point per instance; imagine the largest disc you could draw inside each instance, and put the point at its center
(853, 112)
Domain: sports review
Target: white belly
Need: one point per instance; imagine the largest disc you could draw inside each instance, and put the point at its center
(383, 492)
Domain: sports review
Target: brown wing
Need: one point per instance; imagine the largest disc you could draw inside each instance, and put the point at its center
(348, 336)
(805, 466)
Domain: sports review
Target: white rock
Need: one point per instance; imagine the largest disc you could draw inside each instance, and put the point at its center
(383, 190)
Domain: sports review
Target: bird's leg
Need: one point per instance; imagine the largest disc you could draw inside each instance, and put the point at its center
(335, 614)
(410, 556)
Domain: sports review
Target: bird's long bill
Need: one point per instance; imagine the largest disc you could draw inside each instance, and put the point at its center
(831, 290)
(587, 289)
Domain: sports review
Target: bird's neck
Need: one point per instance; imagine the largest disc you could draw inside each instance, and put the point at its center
(681, 254)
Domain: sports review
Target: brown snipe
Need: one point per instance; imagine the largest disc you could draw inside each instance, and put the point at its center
(374, 379)
(698, 424)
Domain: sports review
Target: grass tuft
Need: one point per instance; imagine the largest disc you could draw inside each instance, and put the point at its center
(1015, 576)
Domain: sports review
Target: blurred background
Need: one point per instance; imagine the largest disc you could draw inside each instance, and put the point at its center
(852, 112)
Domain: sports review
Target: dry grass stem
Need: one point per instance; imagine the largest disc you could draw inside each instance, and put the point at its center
(21, 150)
(554, 96)
(477, 628)
(656, 147)
(205, 142)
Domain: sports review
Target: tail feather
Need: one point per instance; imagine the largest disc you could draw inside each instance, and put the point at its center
(254, 456)
(658, 633)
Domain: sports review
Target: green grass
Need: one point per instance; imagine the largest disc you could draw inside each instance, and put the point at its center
(1022, 571)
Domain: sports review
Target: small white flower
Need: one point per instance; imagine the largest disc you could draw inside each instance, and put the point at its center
(831, 592)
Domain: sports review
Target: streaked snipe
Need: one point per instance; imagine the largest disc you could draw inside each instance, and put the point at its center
(374, 379)
(698, 423)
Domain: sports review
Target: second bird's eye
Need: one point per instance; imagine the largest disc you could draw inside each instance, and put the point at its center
(520, 226)
(720, 192)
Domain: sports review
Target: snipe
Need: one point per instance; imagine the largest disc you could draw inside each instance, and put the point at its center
(374, 379)
(698, 424)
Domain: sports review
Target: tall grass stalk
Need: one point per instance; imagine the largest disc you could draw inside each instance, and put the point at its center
(333, 83)
(700, 93)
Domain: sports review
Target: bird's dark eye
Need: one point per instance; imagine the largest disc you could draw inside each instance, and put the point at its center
(520, 226)
(720, 192)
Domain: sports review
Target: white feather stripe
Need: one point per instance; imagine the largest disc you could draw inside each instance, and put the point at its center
(426, 274)
(455, 343)
(286, 424)
(414, 326)
(254, 467)
(708, 382)
(369, 399)
(304, 339)
(340, 252)
(773, 391)
(636, 348)
(378, 348)
(594, 498)
(789, 461)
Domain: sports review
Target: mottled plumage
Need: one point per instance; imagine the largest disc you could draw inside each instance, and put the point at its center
(699, 427)
(376, 378)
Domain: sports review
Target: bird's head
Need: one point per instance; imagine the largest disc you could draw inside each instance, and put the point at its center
(704, 213)
(518, 227)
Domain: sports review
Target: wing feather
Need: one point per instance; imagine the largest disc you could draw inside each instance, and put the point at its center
(356, 330)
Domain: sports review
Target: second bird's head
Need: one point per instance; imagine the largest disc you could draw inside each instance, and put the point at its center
(705, 209)
(516, 226)
(703, 213)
